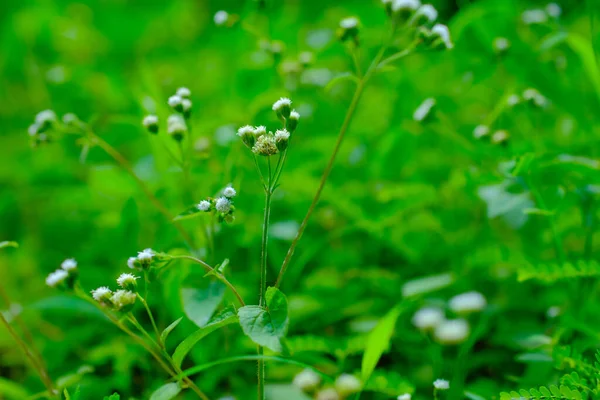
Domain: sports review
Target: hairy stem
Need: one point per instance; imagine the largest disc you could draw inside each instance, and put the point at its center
(118, 157)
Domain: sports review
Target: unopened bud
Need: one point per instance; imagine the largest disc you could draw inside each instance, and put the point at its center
(349, 28)
(246, 133)
(123, 300)
(283, 107)
(282, 138)
(175, 103)
(127, 281)
(292, 121)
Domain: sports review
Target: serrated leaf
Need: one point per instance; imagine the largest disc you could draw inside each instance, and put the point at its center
(377, 342)
(166, 392)
(225, 317)
(266, 326)
(168, 329)
(189, 213)
(200, 304)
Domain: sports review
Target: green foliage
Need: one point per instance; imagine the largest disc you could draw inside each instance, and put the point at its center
(554, 272)
(551, 392)
(166, 392)
(200, 304)
(378, 341)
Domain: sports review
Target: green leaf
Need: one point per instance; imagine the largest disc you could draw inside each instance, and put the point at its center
(189, 213)
(377, 342)
(12, 390)
(200, 304)
(114, 396)
(8, 244)
(345, 76)
(168, 329)
(225, 317)
(266, 326)
(166, 392)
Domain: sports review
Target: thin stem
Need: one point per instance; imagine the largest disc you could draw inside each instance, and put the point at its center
(156, 331)
(213, 271)
(360, 87)
(45, 378)
(262, 179)
(560, 253)
(118, 157)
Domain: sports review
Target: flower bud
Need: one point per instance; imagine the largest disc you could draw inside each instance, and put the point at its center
(426, 14)
(424, 110)
(183, 92)
(402, 10)
(467, 302)
(127, 281)
(428, 318)
(151, 123)
(501, 45)
(349, 28)
(307, 380)
(70, 119)
(223, 205)
(500, 137)
(283, 107)
(292, 121)
(441, 384)
(452, 331)
(328, 394)
(177, 130)
(265, 146)
(102, 295)
(186, 105)
(229, 192)
(204, 205)
(440, 37)
(282, 138)
(306, 58)
(57, 278)
(481, 131)
(145, 258)
(221, 17)
(123, 300)
(45, 120)
(405, 396)
(175, 103)
(247, 134)
(69, 264)
(347, 384)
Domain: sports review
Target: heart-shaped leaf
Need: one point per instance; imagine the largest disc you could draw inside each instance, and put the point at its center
(200, 304)
(266, 326)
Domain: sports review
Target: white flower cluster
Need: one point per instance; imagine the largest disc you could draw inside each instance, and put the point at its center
(122, 299)
(541, 16)
(266, 143)
(345, 385)
(498, 137)
(46, 122)
(223, 205)
(176, 123)
(450, 331)
(65, 275)
(143, 260)
(441, 384)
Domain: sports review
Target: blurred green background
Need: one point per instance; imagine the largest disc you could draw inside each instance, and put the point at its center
(405, 200)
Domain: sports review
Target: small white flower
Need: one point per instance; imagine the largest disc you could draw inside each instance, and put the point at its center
(175, 119)
(452, 331)
(346, 23)
(398, 5)
(444, 33)
(204, 205)
(281, 103)
(126, 280)
(553, 312)
(56, 278)
(499, 136)
(186, 104)
(177, 128)
(553, 10)
(221, 17)
(428, 318)
(513, 100)
(294, 115)
(328, 394)
(122, 298)
(405, 396)
(44, 117)
(183, 92)
(424, 109)
(307, 380)
(265, 146)
(150, 120)
(260, 130)
(501, 44)
(145, 254)
(175, 101)
(481, 131)
(131, 262)
(69, 264)
(69, 118)
(244, 130)
(535, 16)
(33, 129)
(223, 205)
(229, 192)
(101, 293)
(467, 302)
(441, 384)
(282, 134)
(428, 11)
(347, 384)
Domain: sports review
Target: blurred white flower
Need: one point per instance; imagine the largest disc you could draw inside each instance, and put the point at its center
(553, 10)
(346, 384)
(183, 92)
(328, 394)
(424, 109)
(145, 254)
(553, 312)
(499, 136)
(150, 120)
(467, 302)
(101, 293)
(347, 23)
(204, 205)
(452, 331)
(409, 5)
(428, 318)
(441, 384)
(223, 205)
(443, 33)
(69, 264)
(221, 17)
(501, 44)
(513, 100)
(427, 12)
(44, 117)
(131, 262)
(307, 380)
(127, 281)
(534, 16)
(481, 131)
(229, 192)
(175, 101)
(405, 396)
(123, 298)
(57, 277)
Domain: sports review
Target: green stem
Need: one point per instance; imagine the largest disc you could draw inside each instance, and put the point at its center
(156, 331)
(560, 253)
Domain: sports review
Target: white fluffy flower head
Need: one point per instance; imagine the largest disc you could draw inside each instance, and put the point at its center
(348, 23)
(204, 205)
(259, 131)
(131, 262)
(229, 192)
(443, 32)
(126, 280)
(452, 331)
(346, 384)
(424, 109)
(281, 103)
(44, 117)
(553, 10)
(145, 255)
(535, 16)
(175, 101)
(307, 380)
(441, 384)
(428, 318)
(123, 298)
(501, 44)
(428, 11)
(513, 100)
(467, 302)
(56, 278)
(328, 394)
(398, 5)
(223, 205)
(101, 293)
(481, 131)
(221, 17)
(150, 120)
(69, 264)
(294, 115)
(282, 134)
(183, 92)
(405, 396)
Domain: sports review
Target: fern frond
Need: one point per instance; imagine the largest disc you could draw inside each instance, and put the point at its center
(553, 272)
(550, 392)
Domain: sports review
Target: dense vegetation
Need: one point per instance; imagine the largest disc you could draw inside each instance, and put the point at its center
(420, 222)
